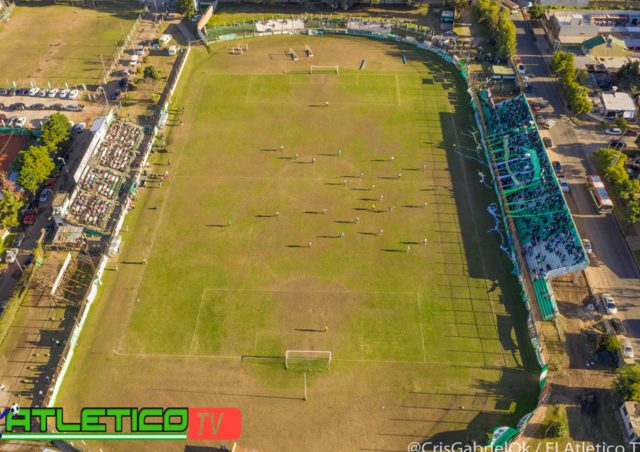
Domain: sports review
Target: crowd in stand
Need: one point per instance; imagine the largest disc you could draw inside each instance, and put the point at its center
(531, 193)
(91, 210)
(371, 26)
(119, 146)
(101, 185)
(102, 182)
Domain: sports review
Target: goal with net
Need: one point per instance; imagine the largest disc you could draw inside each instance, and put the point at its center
(314, 69)
(307, 360)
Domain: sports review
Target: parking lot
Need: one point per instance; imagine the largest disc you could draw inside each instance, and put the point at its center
(19, 109)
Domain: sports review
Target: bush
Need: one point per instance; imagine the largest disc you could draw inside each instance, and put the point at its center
(610, 344)
(627, 382)
(151, 72)
(556, 429)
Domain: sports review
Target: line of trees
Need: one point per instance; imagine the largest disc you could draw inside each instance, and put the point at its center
(611, 164)
(497, 18)
(562, 64)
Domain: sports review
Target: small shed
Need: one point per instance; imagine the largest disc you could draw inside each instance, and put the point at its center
(502, 72)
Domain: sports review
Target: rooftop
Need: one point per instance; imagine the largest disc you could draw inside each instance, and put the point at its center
(618, 101)
(633, 408)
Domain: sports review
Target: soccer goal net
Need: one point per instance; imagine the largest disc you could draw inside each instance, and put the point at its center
(307, 360)
(313, 69)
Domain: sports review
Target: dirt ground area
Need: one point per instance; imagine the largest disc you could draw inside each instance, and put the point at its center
(580, 387)
(10, 146)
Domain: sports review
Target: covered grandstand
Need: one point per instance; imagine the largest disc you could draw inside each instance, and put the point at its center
(531, 196)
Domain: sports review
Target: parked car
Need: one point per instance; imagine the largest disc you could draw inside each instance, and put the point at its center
(548, 124)
(20, 122)
(74, 94)
(535, 106)
(627, 348)
(64, 93)
(586, 243)
(79, 128)
(54, 92)
(134, 60)
(45, 195)
(557, 167)
(58, 107)
(3, 119)
(617, 144)
(17, 240)
(4, 92)
(540, 119)
(618, 326)
(613, 131)
(124, 82)
(564, 184)
(11, 121)
(521, 68)
(116, 95)
(74, 107)
(33, 91)
(18, 106)
(29, 216)
(11, 255)
(38, 106)
(608, 304)
(43, 92)
(547, 142)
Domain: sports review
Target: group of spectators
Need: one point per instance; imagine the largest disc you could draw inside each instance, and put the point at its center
(119, 146)
(105, 180)
(532, 196)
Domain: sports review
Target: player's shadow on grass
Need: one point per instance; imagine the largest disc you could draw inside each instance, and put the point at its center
(344, 221)
(308, 330)
(217, 225)
(392, 250)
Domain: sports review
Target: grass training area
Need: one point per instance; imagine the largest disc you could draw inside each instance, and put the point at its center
(59, 43)
(252, 250)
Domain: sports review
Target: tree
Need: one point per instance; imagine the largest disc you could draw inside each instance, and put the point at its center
(629, 76)
(556, 429)
(500, 25)
(55, 131)
(622, 123)
(151, 72)
(36, 166)
(627, 382)
(10, 205)
(536, 11)
(610, 344)
(186, 8)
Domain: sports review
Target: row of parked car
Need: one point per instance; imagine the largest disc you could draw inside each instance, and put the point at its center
(19, 106)
(37, 92)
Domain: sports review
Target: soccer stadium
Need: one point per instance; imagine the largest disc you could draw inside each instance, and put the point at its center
(342, 240)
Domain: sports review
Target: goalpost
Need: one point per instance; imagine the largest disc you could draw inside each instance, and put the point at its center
(314, 69)
(307, 360)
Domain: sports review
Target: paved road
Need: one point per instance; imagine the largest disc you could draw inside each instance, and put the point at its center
(612, 267)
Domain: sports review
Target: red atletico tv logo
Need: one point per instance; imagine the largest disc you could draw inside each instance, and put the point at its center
(214, 424)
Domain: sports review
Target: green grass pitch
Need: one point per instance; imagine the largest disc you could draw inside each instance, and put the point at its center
(325, 251)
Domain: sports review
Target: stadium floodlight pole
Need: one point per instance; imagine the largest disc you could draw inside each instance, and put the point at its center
(104, 91)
